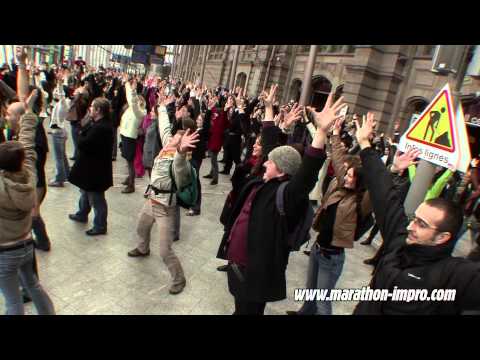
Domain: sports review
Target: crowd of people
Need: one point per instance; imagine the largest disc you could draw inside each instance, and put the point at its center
(295, 168)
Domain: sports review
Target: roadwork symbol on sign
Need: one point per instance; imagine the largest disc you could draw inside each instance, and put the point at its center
(436, 133)
(435, 126)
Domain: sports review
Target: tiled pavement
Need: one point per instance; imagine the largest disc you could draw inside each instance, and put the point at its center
(85, 275)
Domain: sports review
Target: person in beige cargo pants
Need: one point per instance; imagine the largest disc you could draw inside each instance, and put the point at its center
(161, 203)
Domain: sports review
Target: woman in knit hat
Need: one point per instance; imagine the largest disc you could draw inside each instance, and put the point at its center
(255, 238)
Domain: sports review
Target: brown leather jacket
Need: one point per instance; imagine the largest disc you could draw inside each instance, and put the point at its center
(346, 217)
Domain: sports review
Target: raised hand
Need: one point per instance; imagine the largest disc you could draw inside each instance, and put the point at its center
(31, 101)
(211, 103)
(21, 54)
(365, 132)
(293, 115)
(403, 161)
(325, 118)
(188, 141)
(229, 104)
(337, 126)
(270, 96)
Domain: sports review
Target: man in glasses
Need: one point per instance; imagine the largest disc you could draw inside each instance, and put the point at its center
(418, 253)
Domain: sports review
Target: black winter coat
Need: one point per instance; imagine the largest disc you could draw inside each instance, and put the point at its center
(412, 266)
(266, 245)
(92, 170)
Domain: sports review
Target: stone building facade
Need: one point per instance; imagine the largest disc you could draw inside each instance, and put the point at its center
(394, 81)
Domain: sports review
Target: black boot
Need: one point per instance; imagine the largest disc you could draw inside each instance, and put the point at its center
(40, 232)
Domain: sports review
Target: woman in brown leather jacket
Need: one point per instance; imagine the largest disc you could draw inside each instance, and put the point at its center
(335, 221)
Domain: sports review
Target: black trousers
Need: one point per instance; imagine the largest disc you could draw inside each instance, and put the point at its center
(238, 288)
(248, 308)
(232, 150)
(196, 164)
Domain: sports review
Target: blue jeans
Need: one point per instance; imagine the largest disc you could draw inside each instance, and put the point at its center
(97, 201)
(323, 273)
(59, 137)
(16, 267)
(75, 128)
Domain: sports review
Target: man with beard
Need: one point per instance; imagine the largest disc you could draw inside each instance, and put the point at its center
(418, 251)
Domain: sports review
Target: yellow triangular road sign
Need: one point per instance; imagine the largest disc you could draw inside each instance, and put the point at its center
(435, 127)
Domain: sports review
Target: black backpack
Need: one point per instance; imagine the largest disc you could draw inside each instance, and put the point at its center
(301, 234)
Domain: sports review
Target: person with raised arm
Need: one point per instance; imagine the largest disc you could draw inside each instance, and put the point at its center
(255, 232)
(417, 251)
(18, 198)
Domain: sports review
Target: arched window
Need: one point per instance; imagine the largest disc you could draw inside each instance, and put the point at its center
(295, 90)
(321, 88)
(241, 80)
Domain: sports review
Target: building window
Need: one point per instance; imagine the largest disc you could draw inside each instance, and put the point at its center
(426, 50)
(323, 48)
(335, 48)
(305, 48)
(349, 49)
(216, 51)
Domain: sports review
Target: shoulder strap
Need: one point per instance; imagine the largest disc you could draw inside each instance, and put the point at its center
(280, 197)
(174, 185)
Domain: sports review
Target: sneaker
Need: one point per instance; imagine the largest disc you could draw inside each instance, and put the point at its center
(369, 262)
(209, 176)
(192, 212)
(55, 184)
(366, 242)
(223, 268)
(137, 253)
(95, 232)
(26, 297)
(214, 182)
(177, 288)
(128, 190)
(77, 218)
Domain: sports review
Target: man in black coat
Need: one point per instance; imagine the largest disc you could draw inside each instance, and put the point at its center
(92, 172)
(255, 233)
(417, 254)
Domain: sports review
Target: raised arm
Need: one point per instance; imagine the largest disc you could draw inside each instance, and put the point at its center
(132, 99)
(164, 126)
(437, 188)
(6, 91)
(386, 201)
(304, 180)
(182, 168)
(28, 124)
(22, 74)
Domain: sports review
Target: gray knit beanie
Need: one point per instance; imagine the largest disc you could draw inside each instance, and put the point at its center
(286, 158)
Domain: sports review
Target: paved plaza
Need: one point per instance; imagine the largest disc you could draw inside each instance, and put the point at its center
(94, 276)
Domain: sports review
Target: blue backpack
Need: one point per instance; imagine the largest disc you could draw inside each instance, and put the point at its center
(301, 234)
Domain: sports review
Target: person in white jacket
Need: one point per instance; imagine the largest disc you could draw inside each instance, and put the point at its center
(59, 136)
(129, 124)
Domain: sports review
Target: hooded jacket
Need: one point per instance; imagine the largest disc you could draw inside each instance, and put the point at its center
(18, 190)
